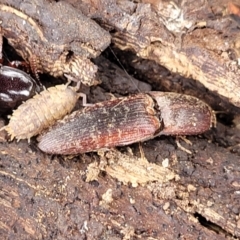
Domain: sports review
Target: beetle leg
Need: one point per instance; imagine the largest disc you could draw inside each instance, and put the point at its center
(180, 146)
(84, 100)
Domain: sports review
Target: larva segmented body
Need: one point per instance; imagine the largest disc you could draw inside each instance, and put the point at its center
(127, 120)
(41, 111)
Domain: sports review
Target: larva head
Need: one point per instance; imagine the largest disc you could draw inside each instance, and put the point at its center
(81, 69)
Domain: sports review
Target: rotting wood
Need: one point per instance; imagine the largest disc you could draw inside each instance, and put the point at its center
(196, 39)
(53, 38)
(62, 203)
(46, 196)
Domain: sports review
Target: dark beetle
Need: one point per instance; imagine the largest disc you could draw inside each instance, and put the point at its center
(16, 86)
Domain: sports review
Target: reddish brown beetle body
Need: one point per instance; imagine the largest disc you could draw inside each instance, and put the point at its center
(111, 123)
(127, 120)
(41, 111)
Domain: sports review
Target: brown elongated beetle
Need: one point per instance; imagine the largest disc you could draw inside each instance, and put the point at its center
(127, 120)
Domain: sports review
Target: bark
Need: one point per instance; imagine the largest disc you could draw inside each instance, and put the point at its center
(150, 190)
(198, 40)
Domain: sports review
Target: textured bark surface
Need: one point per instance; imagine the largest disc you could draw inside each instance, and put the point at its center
(196, 39)
(150, 190)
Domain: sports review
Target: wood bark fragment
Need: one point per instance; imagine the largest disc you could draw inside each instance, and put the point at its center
(193, 39)
(136, 171)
